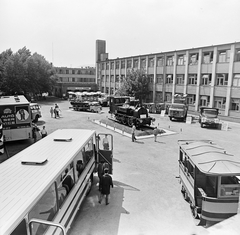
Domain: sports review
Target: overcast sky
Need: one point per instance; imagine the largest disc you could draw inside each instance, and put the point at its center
(65, 31)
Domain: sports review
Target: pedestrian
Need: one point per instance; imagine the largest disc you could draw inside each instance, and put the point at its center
(44, 132)
(156, 131)
(51, 111)
(105, 183)
(105, 143)
(133, 133)
(100, 172)
(35, 132)
(79, 167)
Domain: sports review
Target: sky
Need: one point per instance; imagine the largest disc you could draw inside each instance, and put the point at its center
(65, 31)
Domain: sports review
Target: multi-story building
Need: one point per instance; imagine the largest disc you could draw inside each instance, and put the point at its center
(75, 79)
(210, 76)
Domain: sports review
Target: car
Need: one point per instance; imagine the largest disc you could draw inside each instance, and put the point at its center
(95, 107)
(209, 117)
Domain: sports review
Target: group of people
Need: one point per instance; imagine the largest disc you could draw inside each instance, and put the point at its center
(37, 132)
(55, 111)
(105, 181)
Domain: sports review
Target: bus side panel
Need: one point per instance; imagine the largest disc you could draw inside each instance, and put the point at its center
(77, 195)
(186, 183)
(17, 134)
(214, 209)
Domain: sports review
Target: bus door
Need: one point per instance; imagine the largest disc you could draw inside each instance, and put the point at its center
(105, 149)
(39, 227)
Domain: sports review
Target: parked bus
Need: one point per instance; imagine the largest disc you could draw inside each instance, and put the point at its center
(15, 116)
(35, 111)
(210, 180)
(43, 186)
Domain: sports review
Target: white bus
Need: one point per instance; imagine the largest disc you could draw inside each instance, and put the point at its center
(43, 186)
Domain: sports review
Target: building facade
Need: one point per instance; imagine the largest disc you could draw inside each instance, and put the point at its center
(74, 79)
(210, 76)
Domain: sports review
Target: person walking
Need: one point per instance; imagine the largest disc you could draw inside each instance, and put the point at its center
(35, 132)
(43, 132)
(157, 131)
(100, 173)
(105, 183)
(51, 111)
(133, 133)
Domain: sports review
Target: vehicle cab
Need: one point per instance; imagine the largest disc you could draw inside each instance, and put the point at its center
(35, 111)
(209, 117)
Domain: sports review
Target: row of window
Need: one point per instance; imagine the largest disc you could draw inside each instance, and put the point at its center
(65, 79)
(75, 71)
(207, 57)
(53, 199)
(206, 79)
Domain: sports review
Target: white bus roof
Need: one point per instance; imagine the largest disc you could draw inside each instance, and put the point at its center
(13, 100)
(211, 158)
(22, 185)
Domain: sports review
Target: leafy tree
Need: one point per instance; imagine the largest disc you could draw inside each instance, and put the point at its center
(135, 84)
(23, 73)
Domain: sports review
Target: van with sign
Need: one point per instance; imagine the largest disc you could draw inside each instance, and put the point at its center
(15, 115)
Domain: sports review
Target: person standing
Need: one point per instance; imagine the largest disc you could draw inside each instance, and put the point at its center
(100, 173)
(133, 133)
(43, 132)
(51, 111)
(35, 132)
(105, 143)
(105, 183)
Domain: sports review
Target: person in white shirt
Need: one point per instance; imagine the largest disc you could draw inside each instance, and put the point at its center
(43, 132)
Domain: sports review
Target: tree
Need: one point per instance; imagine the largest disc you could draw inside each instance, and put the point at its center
(23, 73)
(135, 84)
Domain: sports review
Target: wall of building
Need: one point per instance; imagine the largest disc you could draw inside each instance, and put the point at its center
(75, 79)
(210, 76)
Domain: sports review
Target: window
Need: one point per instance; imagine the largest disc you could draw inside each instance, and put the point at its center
(219, 102)
(107, 78)
(206, 79)
(191, 99)
(122, 64)
(102, 66)
(180, 79)
(151, 62)
(143, 63)
(117, 64)
(45, 209)
(67, 72)
(107, 65)
(222, 79)
(204, 100)
(169, 78)
(117, 78)
(73, 71)
(151, 77)
(207, 57)
(193, 59)
(168, 97)
(237, 54)
(160, 78)
(169, 60)
(224, 56)
(181, 59)
(73, 79)
(235, 104)
(112, 78)
(79, 71)
(112, 65)
(21, 229)
(192, 79)
(160, 61)
(236, 80)
(135, 63)
(129, 64)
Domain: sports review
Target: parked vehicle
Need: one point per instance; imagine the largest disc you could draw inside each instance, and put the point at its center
(15, 114)
(210, 180)
(95, 107)
(35, 112)
(178, 109)
(209, 117)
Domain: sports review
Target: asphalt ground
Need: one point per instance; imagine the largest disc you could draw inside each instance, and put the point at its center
(146, 197)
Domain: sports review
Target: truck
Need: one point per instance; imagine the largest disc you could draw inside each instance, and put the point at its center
(209, 117)
(178, 109)
(15, 115)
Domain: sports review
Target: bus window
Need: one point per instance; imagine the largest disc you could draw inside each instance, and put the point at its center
(21, 229)
(88, 151)
(79, 164)
(45, 209)
(68, 179)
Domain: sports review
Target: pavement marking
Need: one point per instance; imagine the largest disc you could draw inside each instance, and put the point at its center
(122, 132)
